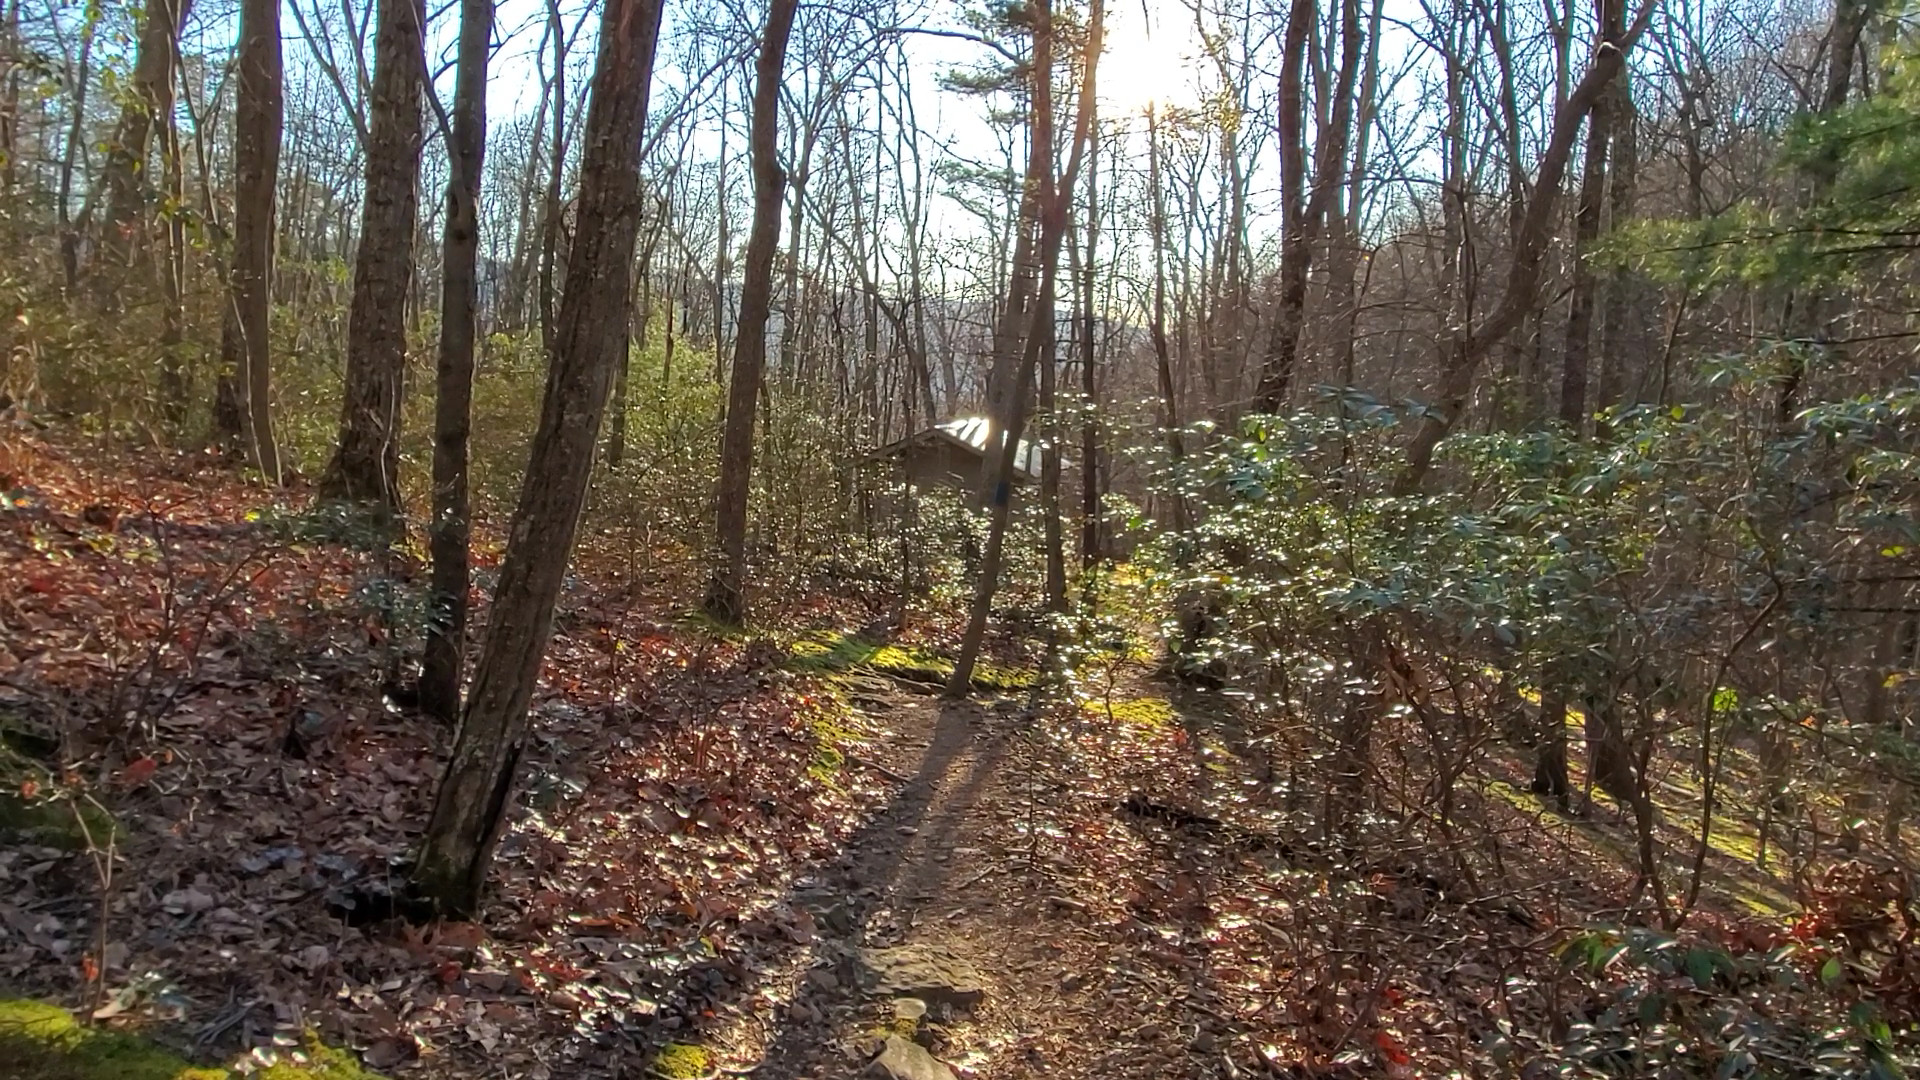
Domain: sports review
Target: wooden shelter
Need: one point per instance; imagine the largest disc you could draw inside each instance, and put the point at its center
(953, 455)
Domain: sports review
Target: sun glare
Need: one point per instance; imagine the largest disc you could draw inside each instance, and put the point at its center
(1146, 65)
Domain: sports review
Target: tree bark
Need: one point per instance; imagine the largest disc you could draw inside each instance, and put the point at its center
(590, 332)
(447, 535)
(366, 462)
(726, 598)
(1586, 230)
(1276, 375)
(243, 406)
(124, 232)
(1090, 532)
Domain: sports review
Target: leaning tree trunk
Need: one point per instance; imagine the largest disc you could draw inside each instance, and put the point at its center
(447, 536)
(243, 417)
(726, 599)
(589, 334)
(1461, 349)
(366, 462)
(1053, 202)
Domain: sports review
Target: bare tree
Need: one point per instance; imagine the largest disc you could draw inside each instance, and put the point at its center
(366, 460)
(447, 535)
(590, 334)
(243, 406)
(725, 599)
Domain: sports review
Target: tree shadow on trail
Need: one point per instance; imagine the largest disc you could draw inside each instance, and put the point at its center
(892, 866)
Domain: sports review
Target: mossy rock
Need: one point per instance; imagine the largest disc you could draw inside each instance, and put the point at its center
(683, 1061)
(44, 1042)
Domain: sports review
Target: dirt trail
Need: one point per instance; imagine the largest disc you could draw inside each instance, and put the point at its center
(953, 869)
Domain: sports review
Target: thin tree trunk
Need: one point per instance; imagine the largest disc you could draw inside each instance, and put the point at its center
(550, 210)
(243, 407)
(726, 599)
(1054, 200)
(366, 461)
(70, 154)
(447, 536)
(1090, 538)
(1586, 230)
(475, 791)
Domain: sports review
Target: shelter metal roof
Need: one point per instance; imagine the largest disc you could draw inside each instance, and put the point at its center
(970, 433)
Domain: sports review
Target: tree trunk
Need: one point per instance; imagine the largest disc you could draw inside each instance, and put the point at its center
(366, 463)
(1276, 375)
(1586, 230)
(1053, 199)
(1617, 341)
(726, 599)
(1050, 456)
(590, 332)
(1461, 350)
(124, 231)
(447, 536)
(70, 153)
(1090, 532)
(243, 407)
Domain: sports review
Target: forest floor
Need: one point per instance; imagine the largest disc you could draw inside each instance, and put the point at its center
(760, 857)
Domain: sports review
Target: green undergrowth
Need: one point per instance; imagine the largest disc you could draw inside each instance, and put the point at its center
(1732, 839)
(831, 653)
(44, 1042)
(827, 717)
(36, 809)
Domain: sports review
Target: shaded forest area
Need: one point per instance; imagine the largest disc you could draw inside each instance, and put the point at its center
(1438, 592)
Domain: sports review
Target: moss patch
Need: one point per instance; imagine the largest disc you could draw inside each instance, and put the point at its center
(41, 1042)
(1150, 713)
(318, 1061)
(683, 1061)
(834, 652)
(44, 1042)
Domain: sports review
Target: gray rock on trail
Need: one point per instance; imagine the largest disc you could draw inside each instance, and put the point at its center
(903, 1060)
(934, 974)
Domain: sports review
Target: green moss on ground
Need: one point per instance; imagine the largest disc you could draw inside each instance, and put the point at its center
(1150, 713)
(683, 1061)
(45, 1042)
(828, 653)
(318, 1061)
(42, 1042)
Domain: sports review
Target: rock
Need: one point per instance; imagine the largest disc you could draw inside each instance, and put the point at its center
(932, 973)
(903, 1060)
